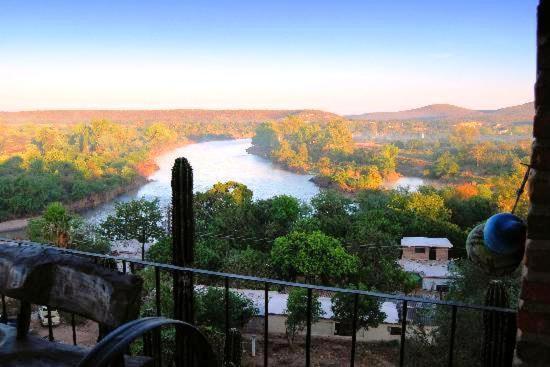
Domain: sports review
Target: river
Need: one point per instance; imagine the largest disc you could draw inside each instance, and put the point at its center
(218, 161)
(225, 160)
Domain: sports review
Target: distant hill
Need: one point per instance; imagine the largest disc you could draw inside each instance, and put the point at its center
(148, 116)
(451, 113)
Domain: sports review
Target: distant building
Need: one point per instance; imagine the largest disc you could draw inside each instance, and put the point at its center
(388, 330)
(425, 248)
(429, 259)
(434, 275)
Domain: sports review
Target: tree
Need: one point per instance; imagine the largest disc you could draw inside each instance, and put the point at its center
(63, 229)
(428, 205)
(266, 137)
(296, 312)
(386, 159)
(135, 220)
(313, 255)
(209, 312)
(445, 165)
(239, 192)
(333, 211)
(368, 311)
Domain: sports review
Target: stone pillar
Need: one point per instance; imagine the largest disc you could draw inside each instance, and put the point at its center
(533, 337)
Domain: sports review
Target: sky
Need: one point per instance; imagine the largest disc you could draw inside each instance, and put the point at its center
(342, 56)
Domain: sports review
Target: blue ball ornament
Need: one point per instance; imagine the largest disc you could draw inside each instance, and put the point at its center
(496, 246)
(505, 234)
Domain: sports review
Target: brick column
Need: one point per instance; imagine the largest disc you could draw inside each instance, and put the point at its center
(533, 338)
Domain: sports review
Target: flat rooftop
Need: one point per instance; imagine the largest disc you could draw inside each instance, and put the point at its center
(425, 242)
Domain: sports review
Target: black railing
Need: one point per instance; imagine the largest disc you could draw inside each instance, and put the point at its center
(265, 283)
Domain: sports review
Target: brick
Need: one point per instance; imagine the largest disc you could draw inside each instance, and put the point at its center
(535, 291)
(538, 260)
(534, 276)
(538, 223)
(538, 187)
(540, 155)
(534, 323)
(541, 128)
(531, 354)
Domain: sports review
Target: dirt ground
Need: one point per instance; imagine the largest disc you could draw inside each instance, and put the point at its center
(86, 333)
(325, 352)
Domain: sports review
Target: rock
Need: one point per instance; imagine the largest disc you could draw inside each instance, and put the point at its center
(48, 276)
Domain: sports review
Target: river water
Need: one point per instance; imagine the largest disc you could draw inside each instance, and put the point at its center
(225, 160)
(218, 161)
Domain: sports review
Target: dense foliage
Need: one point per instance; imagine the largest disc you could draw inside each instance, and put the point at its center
(296, 312)
(134, 220)
(83, 164)
(59, 227)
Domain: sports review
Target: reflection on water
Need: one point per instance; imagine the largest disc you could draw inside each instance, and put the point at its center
(218, 161)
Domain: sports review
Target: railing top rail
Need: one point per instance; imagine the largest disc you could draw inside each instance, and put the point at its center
(169, 267)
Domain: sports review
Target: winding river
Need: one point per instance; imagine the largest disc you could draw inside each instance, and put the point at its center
(218, 161)
(225, 160)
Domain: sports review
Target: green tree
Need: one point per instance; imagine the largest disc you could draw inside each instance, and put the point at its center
(135, 220)
(209, 312)
(445, 165)
(239, 192)
(266, 137)
(368, 310)
(333, 212)
(313, 255)
(296, 312)
(63, 229)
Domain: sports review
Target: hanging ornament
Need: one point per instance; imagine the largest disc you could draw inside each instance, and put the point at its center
(506, 234)
(497, 245)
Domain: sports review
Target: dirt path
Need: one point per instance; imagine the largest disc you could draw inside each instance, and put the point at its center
(14, 225)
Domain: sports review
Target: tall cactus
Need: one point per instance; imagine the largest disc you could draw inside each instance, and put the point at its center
(499, 336)
(183, 237)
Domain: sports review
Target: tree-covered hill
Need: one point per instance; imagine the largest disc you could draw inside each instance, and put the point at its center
(451, 113)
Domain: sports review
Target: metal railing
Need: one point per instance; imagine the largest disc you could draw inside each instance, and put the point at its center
(266, 283)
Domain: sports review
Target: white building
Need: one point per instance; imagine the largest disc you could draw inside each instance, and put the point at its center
(425, 248)
(434, 274)
(326, 326)
(429, 259)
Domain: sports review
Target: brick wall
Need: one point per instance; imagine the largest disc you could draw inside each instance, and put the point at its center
(533, 338)
(409, 253)
(440, 253)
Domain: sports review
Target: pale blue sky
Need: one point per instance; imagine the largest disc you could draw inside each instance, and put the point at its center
(340, 56)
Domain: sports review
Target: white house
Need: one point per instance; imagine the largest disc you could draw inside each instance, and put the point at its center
(429, 259)
(435, 275)
(425, 248)
(326, 326)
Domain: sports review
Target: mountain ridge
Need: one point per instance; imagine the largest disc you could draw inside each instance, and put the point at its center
(167, 115)
(452, 113)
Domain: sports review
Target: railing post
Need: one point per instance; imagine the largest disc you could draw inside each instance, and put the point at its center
(452, 336)
(266, 322)
(50, 327)
(73, 326)
(308, 330)
(403, 332)
(4, 311)
(354, 329)
(226, 305)
(157, 336)
(157, 290)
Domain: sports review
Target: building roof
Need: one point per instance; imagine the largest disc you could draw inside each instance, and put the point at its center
(277, 304)
(425, 241)
(426, 269)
